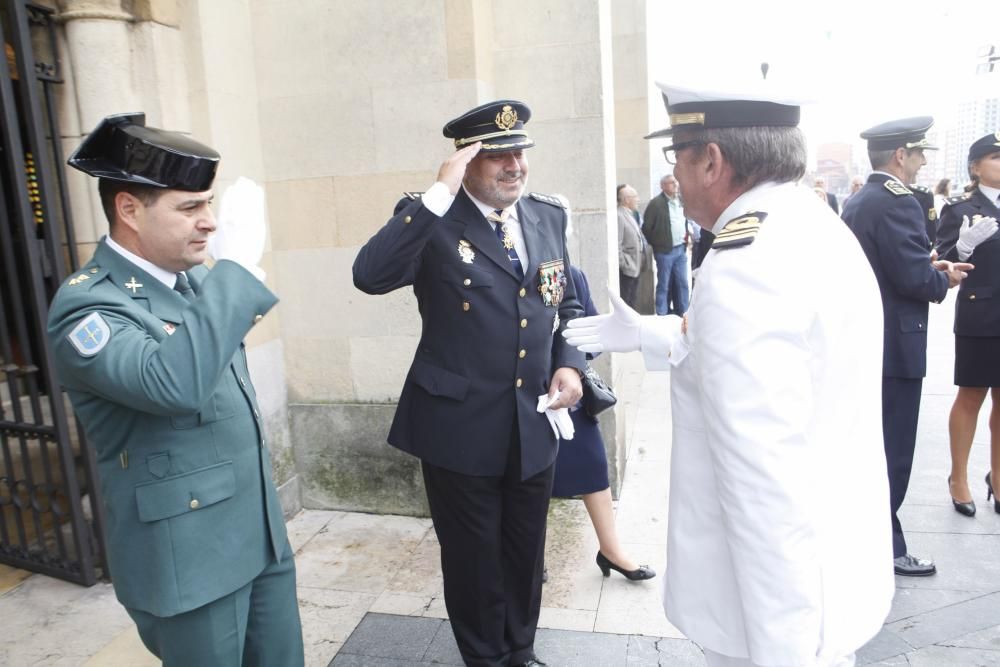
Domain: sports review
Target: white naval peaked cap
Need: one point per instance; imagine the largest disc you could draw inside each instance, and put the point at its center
(749, 103)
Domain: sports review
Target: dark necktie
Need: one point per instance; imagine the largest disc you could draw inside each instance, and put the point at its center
(497, 217)
(184, 287)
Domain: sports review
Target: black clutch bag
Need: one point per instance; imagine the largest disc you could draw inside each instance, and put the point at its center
(597, 395)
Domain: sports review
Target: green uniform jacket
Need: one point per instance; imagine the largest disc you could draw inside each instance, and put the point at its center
(656, 224)
(161, 387)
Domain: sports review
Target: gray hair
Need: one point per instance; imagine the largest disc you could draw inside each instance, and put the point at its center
(759, 154)
(880, 158)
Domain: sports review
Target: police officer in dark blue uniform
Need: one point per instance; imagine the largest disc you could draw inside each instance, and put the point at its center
(889, 222)
(489, 267)
(969, 232)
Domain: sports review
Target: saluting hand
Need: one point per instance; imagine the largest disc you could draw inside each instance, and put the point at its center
(452, 170)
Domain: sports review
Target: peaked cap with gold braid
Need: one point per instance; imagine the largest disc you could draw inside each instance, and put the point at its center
(499, 125)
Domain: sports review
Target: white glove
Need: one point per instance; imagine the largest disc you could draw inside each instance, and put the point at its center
(241, 226)
(972, 234)
(618, 331)
(559, 420)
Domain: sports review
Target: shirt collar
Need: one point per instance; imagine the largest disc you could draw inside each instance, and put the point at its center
(991, 193)
(748, 201)
(885, 173)
(168, 278)
(486, 209)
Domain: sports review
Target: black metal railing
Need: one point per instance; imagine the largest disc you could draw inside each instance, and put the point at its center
(50, 512)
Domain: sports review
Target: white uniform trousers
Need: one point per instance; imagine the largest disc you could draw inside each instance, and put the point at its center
(714, 659)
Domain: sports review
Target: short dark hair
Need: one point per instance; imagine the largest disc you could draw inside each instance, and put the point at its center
(109, 189)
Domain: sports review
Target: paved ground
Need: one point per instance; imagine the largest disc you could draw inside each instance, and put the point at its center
(370, 590)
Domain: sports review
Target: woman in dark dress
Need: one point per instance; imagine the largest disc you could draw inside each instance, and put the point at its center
(968, 232)
(582, 470)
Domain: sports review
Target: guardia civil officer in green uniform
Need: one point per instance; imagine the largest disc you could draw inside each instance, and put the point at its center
(489, 267)
(148, 344)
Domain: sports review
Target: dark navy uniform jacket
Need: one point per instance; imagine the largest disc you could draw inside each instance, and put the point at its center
(489, 343)
(889, 224)
(977, 310)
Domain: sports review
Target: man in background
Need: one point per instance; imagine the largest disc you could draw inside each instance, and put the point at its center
(665, 227)
(631, 244)
(889, 223)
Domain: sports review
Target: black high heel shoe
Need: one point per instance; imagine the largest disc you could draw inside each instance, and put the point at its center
(966, 509)
(638, 574)
(989, 493)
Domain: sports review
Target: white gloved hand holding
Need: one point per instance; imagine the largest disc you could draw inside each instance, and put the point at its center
(618, 331)
(972, 234)
(241, 226)
(559, 420)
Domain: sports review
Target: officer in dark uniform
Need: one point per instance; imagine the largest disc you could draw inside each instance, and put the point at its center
(969, 232)
(889, 223)
(148, 344)
(490, 271)
(925, 198)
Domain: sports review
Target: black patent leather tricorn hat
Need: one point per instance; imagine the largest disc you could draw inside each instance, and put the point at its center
(122, 148)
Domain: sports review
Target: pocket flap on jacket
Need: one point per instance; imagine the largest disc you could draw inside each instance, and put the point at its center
(912, 325)
(190, 492)
(438, 381)
(976, 293)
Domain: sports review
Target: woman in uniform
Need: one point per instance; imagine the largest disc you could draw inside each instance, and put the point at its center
(968, 232)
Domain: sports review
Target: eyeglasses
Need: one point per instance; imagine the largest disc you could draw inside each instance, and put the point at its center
(670, 152)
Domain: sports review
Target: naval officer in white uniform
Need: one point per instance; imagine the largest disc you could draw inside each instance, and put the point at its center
(778, 546)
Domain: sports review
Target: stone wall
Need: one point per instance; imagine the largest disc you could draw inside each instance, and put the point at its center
(336, 107)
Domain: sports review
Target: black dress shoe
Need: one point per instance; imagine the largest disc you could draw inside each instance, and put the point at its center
(534, 662)
(967, 509)
(989, 494)
(911, 566)
(638, 574)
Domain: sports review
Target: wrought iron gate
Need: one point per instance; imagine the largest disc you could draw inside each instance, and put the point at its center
(50, 511)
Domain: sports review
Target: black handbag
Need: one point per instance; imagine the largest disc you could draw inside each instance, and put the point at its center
(597, 395)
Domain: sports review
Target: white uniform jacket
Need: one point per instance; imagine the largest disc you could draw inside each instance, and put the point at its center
(778, 546)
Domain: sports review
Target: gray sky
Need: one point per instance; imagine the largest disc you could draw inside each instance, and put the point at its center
(864, 62)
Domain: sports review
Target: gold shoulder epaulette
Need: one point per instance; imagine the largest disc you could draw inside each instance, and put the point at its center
(739, 231)
(548, 199)
(959, 199)
(85, 274)
(413, 195)
(897, 188)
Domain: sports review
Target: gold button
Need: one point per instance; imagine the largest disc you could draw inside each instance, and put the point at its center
(195, 504)
(522, 353)
(523, 291)
(466, 305)
(524, 324)
(972, 297)
(518, 383)
(93, 270)
(407, 220)
(466, 282)
(257, 319)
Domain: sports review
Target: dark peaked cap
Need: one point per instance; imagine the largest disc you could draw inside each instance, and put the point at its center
(903, 133)
(754, 104)
(984, 146)
(122, 148)
(499, 125)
